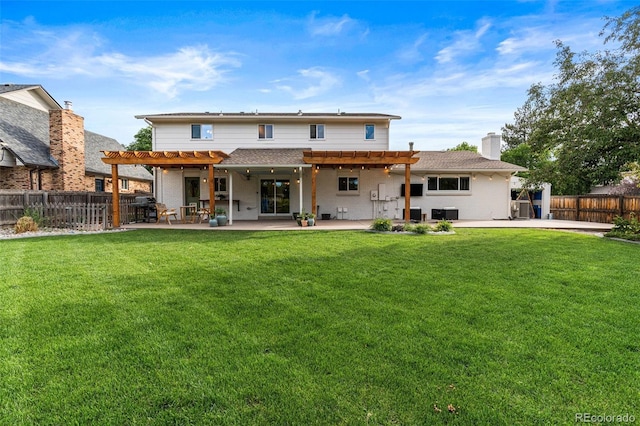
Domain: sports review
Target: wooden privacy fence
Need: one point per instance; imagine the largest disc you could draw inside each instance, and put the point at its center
(13, 204)
(594, 208)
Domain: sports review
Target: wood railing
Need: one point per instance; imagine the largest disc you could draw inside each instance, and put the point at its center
(594, 207)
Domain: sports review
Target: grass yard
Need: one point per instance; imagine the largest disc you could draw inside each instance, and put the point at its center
(339, 327)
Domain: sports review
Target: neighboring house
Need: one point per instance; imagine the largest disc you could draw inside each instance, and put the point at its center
(45, 147)
(270, 165)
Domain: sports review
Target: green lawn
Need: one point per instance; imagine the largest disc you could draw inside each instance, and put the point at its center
(340, 327)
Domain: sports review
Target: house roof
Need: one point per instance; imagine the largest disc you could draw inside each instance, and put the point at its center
(459, 161)
(94, 144)
(25, 131)
(265, 157)
(253, 116)
(40, 92)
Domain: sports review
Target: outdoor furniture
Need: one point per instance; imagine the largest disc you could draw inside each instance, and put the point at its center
(190, 211)
(202, 214)
(163, 211)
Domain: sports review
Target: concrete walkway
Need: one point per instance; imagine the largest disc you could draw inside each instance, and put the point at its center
(291, 225)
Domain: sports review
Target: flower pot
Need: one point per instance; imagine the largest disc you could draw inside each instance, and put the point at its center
(311, 221)
(222, 220)
(304, 223)
(213, 222)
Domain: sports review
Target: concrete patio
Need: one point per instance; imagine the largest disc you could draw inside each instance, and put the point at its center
(291, 225)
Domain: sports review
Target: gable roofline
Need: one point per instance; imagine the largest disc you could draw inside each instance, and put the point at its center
(276, 116)
(42, 92)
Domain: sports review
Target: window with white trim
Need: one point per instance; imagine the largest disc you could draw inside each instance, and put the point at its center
(265, 131)
(220, 184)
(448, 183)
(348, 184)
(124, 183)
(370, 131)
(202, 131)
(316, 131)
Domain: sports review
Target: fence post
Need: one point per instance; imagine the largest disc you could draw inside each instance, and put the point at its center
(578, 208)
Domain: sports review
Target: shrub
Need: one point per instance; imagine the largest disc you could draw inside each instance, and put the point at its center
(381, 224)
(422, 228)
(34, 214)
(625, 228)
(443, 226)
(26, 224)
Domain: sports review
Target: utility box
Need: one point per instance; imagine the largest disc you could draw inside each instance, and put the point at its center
(415, 214)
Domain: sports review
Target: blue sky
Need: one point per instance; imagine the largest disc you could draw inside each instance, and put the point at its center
(453, 70)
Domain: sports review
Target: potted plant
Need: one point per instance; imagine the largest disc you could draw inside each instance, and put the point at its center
(311, 219)
(303, 218)
(221, 216)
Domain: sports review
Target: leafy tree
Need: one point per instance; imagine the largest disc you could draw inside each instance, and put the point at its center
(464, 146)
(142, 140)
(583, 130)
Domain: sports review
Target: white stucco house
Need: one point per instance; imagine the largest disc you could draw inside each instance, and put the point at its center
(338, 165)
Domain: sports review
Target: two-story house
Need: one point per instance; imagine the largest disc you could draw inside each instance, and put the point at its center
(337, 165)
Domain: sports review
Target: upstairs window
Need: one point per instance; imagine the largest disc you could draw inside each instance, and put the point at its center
(201, 131)
(124, 183)
(265, 131)
(370, 131)
(316, 131)
(460, 183)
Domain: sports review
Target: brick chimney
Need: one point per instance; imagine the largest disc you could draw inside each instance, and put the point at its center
(491, 146)
(66, 138)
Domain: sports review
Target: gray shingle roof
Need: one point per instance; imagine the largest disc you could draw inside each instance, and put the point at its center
(459, 161)
(6, 88)
(265, 157)
(25, 130)
(94, 143)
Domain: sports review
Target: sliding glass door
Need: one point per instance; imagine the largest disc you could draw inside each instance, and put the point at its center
(274, 196)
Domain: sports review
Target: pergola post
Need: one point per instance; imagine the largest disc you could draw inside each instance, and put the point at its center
(115, 193)
(407, 192)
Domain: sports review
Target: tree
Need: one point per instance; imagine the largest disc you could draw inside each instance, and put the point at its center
(464, 146)
(142, 140)
(585, 126)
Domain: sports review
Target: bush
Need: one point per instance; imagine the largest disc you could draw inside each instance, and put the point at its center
(381, 224)
(26, 224)
(422, 228)
(443, 226)
(625, 228)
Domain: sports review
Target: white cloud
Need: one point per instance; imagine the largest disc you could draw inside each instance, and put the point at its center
(329, 26)
(73, 53)
(464, 41)
(317, 81)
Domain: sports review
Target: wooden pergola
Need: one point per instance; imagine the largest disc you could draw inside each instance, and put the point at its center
(369, 159)
(164, 159)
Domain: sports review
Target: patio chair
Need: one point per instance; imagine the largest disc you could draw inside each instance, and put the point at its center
(163, 211)
(203, 214)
